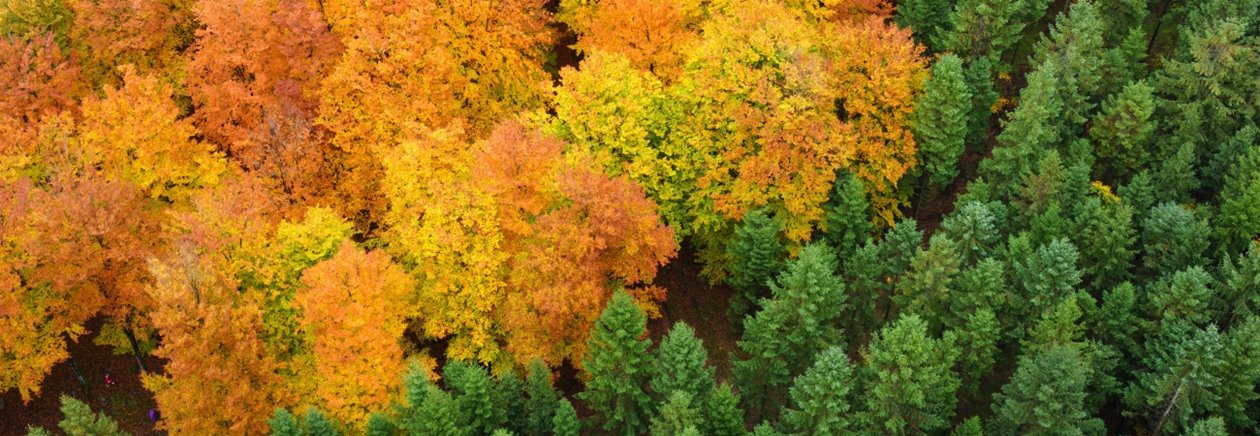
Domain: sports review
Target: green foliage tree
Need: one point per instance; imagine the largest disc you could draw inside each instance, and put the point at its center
(618, 368)
(912, 386)
(984, 28)
(1075, 45)
(978, 337)
(678, 413)
(1238, 222)
(1124, 129)
(979, 76)
(1172, 239)
(1184, 296)
(756, 254)
(1214, 426)
(475, 395)
(848, 217)
(317, 424)
(680, 365)
(820, 402)
(1046, 395)
(1105, 236)
(566, 421)
(78, 420)
(1240, 374)
(722, 415)
(1179, 378)
(1241, 279)
(1043, 277)
(1031, 129)
(428, 409)
(928, 19)
(970, 427)
(283, 423)
(541, 399)
(971, 226)
(793, 326)
(925, 289)
(940, 118)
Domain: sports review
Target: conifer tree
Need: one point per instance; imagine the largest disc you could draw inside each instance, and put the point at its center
(565, 423)
(541, 399)
(317, 424)
(1184, 296)
(1043, 277)
(1214, 426)
(820, 403)
(722, 415)
(971, 427)
(617, 367)
(848, 218)
(1075, 45)
(1240, 374)
(680, 365)
(984, 28)
(928, 19)
(913, 384)
(925, 289)
(940, 120)
(1046, 395)
(1105, 235)
(1123, 129)
(380, 425)
(1031, 129)
(475, 394)
(1180, 377)
(756, 253)
(283, 423)
(1238, 223)
(792, 327)
(979, 76)
(677, 414)
(429, 410)
(78, 420)
(971, 227)
(1172, 239)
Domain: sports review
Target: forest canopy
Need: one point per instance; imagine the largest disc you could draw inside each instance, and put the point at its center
(453, 217)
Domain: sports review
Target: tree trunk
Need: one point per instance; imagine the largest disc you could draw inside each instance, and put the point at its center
(135, 348)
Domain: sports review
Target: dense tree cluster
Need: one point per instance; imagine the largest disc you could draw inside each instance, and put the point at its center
(401, 217)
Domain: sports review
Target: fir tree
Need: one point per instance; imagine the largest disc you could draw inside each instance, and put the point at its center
(618, 368)
(1172, 239)
(1123, 129)
(913, 385)
(971, 226)
(78, 420)
(679, 365)
(565, 423)
(1046, 395)
(283, 423)
(979, 76)
(1105, 235)
(1184, 296)
(475, 394)
(380, 425)
(317, 424)
(541, 399)
(677, 414)
(1214, 426)
(940, 118)
(928, 19)
(756, 253)
(722, 415)
(925, 288)
(848, 219)
(820, 403)
(1238, 223)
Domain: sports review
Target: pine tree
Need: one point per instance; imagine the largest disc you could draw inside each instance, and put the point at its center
(792, 327)
(1172, 239)
(971, 227)
(1180, 377)
(924, 290)
(1238, 223)
(541, 399)
(722, 415)
(940, 120)
(677, 414)
(848, 216)
(1044, 277)
(820, 402)
(78, 420)
(1105, 235)
(284, 424)
(1046, 395)
(475, 394)
(317, 424)
(565, 423)
(429, 410)
(617, 368)
(756, 253)
(679, 365)
(913, 384)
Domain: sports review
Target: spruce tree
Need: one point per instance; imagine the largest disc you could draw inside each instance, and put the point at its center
(1184, 296)
(1046, 395)
(475, 394)
(912, 386)
(820, 403)
(722, 415)
(1180, 377)
(1105, 236)
(1032, 129)
(317, 424)
(925, 289)
(565, 423)
(756, 254)
(677, 414)
(978, 338)
(1075, 45)
(939, 121)
(1123, 130)
(1214, 426)
(1172, 239)
(928, 19)
(679, 365)
(283, 423)
(1240, 374)
(979, 76)
(380, 425)
(618, 368)
(984, 28)
(1043, 277)
(1238, 223)
(971, 227)
(848, 218)
(541, 399)
(429, 410)
(78, 420)
(970, 427)
(794, 325)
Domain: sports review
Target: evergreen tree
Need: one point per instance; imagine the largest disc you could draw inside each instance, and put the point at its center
(1075, 45)
(981, 287)
(565, 423)
(679, 365)
(1240, 374)
(820, 403)
(1180, 377)
(510, 397)
(928, 19)
(1105, 235)
(618, 368)
(429, 410)
(475, 394)
(1242, 283)
(971, 226)
(317, 424)
(848, 217)
(1214, 426)
(913, 384)
(1172, 239)
(283, 423)
(722, 415)
(78, 420)
(380, 425)
(1046, 395)
(793, 326)
(677, 414)
(939, 121)
(541, 399)
(756, 253)
(1117, 323)
(970, 427)
(979, 76)
(978, 339)
(1123, 130)
(1184, 296)
(1238, 222)
(1043, 277)
(1031, 129)
(925, 288)
(984, 28)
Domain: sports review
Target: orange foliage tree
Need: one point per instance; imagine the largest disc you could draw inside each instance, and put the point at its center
(573, 235)
(149, 34)
(652, 34)
(37, 77)
(354, 306)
